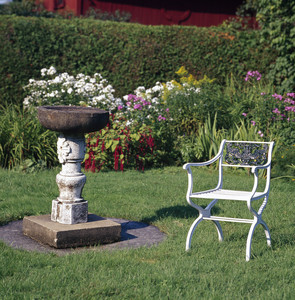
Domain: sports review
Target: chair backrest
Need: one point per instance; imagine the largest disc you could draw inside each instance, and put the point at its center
(246, 153)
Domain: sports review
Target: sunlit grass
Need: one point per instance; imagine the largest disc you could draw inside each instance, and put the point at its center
(211, 270)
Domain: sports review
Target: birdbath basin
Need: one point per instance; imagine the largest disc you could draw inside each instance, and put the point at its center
(72, 122)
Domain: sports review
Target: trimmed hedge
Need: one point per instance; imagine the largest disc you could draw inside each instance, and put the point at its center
(127, 55)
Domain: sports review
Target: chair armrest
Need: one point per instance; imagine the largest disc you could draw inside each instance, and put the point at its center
(200, 164)
(206, 163)
(255, 169)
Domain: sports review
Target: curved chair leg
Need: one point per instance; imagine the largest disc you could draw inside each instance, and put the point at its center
(219, 230)
(249, 241)
(191, 231)
(267, 233)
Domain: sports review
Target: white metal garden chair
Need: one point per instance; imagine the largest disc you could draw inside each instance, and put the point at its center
(242, 154)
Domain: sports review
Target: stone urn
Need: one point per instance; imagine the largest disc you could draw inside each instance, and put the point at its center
(72, 122)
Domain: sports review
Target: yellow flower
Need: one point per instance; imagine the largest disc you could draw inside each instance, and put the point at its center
(182, 71)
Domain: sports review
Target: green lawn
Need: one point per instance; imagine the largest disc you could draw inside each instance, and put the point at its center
(211, 270)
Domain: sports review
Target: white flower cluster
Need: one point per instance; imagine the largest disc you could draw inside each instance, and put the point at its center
(145, 105)
(63, 89)
(152, 95)
(186, 89)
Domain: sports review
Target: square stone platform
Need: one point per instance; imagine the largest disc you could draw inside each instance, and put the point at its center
(96, 231)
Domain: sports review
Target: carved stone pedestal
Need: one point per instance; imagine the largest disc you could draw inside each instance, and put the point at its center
(70, 207)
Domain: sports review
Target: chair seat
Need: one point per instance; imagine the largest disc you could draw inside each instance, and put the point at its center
(227, 195)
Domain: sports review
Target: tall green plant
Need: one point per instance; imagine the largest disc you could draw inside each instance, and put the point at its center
(23, 138)
(202, 145)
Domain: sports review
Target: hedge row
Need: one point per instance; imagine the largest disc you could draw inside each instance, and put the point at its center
(127, 55)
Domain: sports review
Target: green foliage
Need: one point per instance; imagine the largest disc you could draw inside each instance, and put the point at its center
(135, 146)
(27, 8)
(284, 163)
(119, 147)
(203, 145)
(23, 141)
(276, 19)
(191, 100)
(98, 14)
(128, 55)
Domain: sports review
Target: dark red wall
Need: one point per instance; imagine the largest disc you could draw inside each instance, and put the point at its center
(161, 12)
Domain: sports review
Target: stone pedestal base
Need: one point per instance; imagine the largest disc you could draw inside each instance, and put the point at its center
(69, 213)
(96, 231)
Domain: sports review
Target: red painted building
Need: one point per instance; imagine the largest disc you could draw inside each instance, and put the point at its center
(157, 12)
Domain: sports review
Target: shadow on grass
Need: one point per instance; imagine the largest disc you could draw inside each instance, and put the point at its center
(177, 211)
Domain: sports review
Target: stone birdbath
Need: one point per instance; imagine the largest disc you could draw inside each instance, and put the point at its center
(70, 224)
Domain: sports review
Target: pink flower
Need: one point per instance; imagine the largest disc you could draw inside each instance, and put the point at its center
(276, 111)
(144, 102)
(244, 114)
(253, 123)
(160, 118)
(138, 106)
(167, 109)
(262, 94)
(276, 96)
(288, 100)
(130, 97)
(128, 103)
(290, 108)
(291, 95)
(255, 74)
(120, 107)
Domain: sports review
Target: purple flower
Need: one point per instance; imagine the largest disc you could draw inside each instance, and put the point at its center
(128, 103)
(167, 109)
(160, 118)
(255, 74)
(291, 95)
(120, 107)
(253, 123)
(276, 111)
(138, 106)
(288, 100)
(290, 108)
(276, 96)
(244, 114)
(130, 97)
(144, 102)
(138, 99)
(262, 94)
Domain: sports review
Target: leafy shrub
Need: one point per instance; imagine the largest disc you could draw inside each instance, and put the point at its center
(129, 55)
(190, 101)
(119, 147)
(27, 8)
(98, 14)
(273, 114)
(277, 19)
